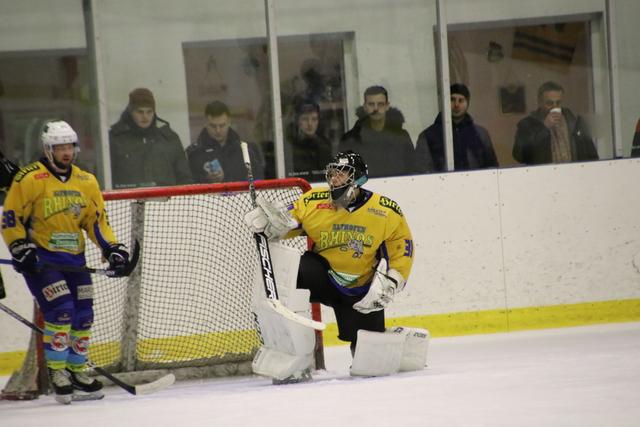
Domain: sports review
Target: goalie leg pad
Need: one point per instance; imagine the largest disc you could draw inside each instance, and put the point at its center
(414, 353)
(377, 354)
(384, 353)
(288, 346)
(276, 364)
(285, 264)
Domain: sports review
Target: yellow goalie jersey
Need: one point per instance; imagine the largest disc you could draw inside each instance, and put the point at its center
(52, 213)
(353, 240)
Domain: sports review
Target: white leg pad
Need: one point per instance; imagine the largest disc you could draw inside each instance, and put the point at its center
(288, 346)
(377, 354)
(272, 363)
(285, 263)
(414, 352)
(395, 350)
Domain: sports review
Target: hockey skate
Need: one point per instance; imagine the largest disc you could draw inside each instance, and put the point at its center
(61, 385)
(84, 386)
(298, 377)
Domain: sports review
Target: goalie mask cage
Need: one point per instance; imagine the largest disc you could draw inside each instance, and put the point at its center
(186, 307)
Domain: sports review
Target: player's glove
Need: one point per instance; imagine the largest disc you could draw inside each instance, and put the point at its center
(384, 286)
(117, 257)
(23, 256)
(271, 219)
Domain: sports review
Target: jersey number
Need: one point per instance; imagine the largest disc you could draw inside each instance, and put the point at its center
(8, 219)
(408, 248)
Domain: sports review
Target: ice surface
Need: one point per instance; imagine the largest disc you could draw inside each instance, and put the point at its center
(587, 376)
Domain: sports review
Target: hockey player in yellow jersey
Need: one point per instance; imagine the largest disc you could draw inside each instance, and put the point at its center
(361, 258)
(49, 205)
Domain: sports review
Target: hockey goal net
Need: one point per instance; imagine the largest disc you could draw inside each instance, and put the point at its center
(186, 307)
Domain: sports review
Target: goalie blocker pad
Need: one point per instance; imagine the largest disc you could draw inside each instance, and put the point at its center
(397, 349)
(288, 347)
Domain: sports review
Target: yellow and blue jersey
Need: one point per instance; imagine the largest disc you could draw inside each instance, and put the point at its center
(52, 214)
(353, 240)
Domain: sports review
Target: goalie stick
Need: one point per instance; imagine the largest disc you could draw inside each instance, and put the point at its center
(265, 260)
(109, 272)
(152, 387)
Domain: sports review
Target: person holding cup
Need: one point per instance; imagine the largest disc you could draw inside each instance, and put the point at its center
(552, 133)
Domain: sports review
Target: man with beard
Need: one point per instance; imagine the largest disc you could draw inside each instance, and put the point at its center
(472, 147)
(379, 137)
(50, 206)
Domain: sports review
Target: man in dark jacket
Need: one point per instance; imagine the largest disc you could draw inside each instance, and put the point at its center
(378, 136)
(145, 152)
(552, 134)
(472, 146)
(216, 155)
(307, 151)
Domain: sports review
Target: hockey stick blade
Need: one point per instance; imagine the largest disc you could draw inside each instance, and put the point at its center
(151, 387)
(154, 386)
(279, 308)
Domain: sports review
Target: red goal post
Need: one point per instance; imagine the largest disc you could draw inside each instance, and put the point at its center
(186, 307)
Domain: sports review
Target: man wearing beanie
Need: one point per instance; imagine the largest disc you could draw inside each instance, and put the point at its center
(145, 151)
(472, 146)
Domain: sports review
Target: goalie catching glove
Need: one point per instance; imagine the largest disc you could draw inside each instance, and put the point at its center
(386, 283)
(118, 259)
(271, 219)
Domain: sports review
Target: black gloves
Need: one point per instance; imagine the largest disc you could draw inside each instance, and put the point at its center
(23, 256)
(117, 257)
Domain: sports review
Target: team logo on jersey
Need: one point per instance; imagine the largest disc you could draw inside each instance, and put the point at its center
(388, 203)
(321, 195)
(357, 246)
(55, 290)
(25, 171)
(67, 241)
(377, 212)
(348, 237)
(70, 201)
(42, 175)
(325, 206)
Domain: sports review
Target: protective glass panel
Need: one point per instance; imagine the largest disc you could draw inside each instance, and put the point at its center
(330, 53)
(44, 75)
(182, 57)
(625, 33)
(534, 85)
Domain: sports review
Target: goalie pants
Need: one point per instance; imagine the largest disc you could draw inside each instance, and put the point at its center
(313, 275)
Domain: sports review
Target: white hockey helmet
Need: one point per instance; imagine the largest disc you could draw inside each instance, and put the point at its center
(58, 132)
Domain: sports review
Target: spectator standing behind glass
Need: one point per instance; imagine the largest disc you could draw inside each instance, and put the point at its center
(635, 147)
(552, 134)
(472, 147)
(310, 151)
(216, 156)
(145, 151)
(379, 137)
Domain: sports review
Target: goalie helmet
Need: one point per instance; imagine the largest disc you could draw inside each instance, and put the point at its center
(58, 132)
(346, 172)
